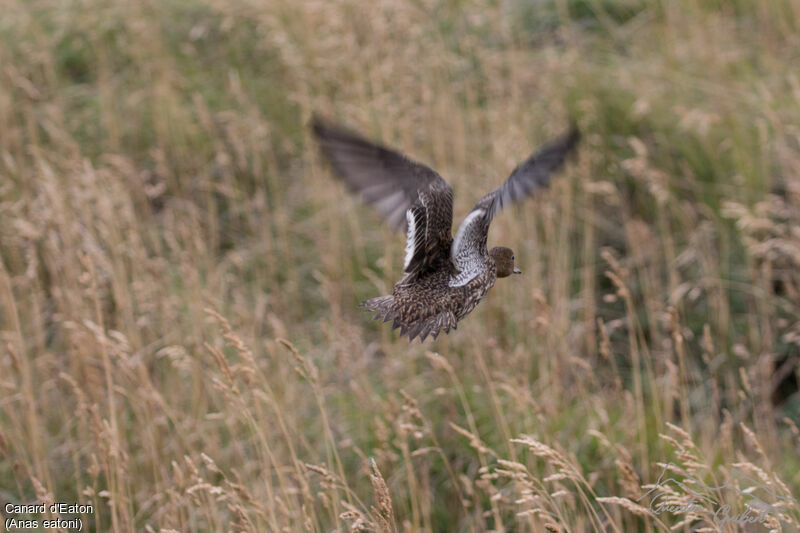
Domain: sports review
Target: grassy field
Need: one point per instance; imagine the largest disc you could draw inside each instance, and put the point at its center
(180, 340)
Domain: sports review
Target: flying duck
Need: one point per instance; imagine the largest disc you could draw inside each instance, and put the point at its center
(443, 278)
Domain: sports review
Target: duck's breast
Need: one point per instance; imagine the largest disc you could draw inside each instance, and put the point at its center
(466, 297)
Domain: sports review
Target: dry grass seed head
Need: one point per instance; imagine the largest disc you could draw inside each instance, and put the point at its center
(383, 499)
(631, 506)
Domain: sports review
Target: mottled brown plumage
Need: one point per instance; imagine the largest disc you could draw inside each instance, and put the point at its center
(444, 278)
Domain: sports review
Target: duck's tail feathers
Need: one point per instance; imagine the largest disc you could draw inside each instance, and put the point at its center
(444, 321)
(382, 306)
(432, 326)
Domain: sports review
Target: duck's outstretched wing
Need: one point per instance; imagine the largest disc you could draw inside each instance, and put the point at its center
(469, 247)
(409, 195)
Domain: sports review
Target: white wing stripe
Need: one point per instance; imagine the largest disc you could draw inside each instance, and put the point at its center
(410, 237)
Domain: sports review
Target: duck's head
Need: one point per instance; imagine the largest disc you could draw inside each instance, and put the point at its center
(504, 260)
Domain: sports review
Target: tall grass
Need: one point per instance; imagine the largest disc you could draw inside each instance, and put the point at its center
(180, 341)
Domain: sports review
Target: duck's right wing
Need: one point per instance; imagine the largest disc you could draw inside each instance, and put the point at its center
(469, 247)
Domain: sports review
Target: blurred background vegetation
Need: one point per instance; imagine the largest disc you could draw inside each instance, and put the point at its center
(180, 342)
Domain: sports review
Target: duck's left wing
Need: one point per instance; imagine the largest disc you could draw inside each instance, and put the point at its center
(469, 247)
(384, 178)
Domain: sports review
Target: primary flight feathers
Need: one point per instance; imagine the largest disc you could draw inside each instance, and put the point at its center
(385, 179)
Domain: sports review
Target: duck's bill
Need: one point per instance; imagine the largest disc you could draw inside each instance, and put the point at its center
(517, 271)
